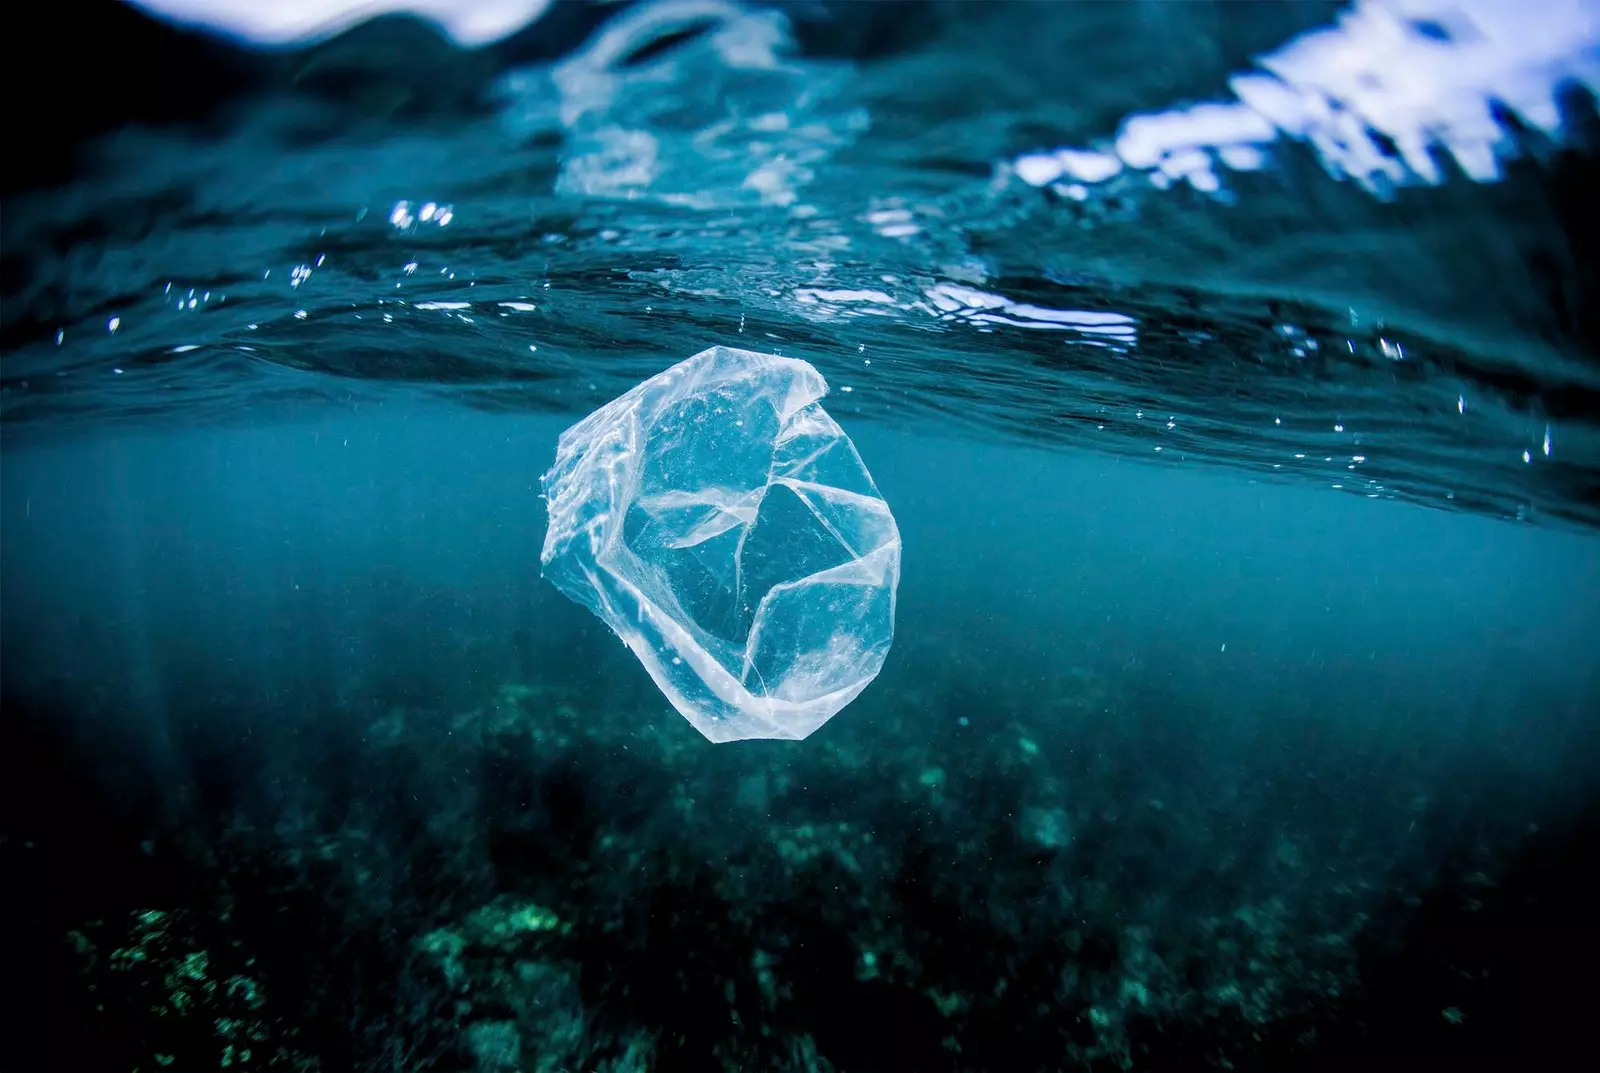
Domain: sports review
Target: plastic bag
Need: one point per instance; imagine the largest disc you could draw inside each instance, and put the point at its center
(723, 525)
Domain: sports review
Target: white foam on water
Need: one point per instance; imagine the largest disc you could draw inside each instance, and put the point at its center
(1422, 76)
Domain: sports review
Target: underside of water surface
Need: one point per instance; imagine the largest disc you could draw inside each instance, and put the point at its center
(1232, 372)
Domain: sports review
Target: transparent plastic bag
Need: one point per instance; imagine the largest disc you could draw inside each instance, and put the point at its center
(723, 525)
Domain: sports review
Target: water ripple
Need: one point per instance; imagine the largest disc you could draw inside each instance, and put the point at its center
(699, 172)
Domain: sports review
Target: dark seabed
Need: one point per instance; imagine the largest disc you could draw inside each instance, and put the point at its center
(1239, 407)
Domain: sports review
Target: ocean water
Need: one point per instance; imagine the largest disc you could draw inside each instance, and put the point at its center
(1231, 370)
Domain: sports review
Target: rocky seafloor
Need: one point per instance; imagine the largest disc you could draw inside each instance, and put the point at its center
(1034, 877)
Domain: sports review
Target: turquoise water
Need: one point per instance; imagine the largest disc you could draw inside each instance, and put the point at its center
(1242, 706)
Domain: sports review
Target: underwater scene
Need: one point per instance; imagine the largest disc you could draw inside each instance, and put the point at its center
(803, 535)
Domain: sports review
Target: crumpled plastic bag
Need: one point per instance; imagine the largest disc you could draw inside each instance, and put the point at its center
(723, 525)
